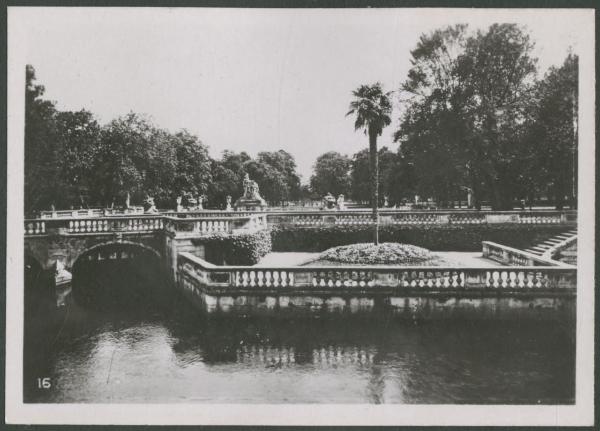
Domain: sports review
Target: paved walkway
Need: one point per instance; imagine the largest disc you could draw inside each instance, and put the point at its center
(462, 259)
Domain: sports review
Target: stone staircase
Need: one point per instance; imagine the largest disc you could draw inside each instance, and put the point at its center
(543, 247)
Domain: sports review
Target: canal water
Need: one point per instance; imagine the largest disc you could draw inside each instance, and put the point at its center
(165, 351)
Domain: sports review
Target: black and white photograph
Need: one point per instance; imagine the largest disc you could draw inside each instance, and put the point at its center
(376, 216)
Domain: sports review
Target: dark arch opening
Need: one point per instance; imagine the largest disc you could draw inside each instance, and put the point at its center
(38, 286)
(118, 275)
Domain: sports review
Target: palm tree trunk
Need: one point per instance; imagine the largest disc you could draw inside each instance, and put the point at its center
(374, 171)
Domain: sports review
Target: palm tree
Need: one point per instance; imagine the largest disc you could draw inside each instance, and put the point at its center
(372, 108)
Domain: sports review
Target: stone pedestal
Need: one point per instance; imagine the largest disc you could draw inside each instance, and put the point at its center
(245, 204)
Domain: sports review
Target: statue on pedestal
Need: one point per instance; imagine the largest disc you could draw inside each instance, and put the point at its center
(329, 201)
(201, 199)
(228, 203)
(179, 208)
(149, 206)
(340, 203)
(251, 199)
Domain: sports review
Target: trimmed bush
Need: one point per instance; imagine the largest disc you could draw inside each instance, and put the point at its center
(384, 253)
(432, 237)
(239, 249)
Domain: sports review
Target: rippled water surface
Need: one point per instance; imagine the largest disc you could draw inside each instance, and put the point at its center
(169, 353)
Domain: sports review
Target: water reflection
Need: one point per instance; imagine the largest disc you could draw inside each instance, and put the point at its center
(168, 352)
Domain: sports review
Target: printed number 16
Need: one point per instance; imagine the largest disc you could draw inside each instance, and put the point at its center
(44, 383)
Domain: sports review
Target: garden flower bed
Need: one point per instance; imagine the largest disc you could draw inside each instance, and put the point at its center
(387, 253)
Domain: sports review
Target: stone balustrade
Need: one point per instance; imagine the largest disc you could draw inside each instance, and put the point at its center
(512, 256)
(145, 223)
(397, 217)
(217, 221)
(555, 250)
(194, 270)
(311, 217)
(92, 212)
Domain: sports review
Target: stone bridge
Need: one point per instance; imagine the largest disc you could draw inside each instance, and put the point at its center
(59, 242)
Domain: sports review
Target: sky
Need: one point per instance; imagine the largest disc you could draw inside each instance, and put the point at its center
(248, 79)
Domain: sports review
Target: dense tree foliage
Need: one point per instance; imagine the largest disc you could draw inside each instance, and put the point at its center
(551, 134)
(388, 168)
(72, 161)
(475, 118)
(331, 174)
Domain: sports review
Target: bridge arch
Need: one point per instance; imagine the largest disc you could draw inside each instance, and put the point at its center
(116, 272)
(104, 245)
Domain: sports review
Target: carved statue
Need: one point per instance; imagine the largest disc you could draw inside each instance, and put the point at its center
(149, 205)
(340, 203)
(251, 198)
(201, 199)
(228, 203)
(247, 184)
(178, 201)
(328, 201)
(127, 198)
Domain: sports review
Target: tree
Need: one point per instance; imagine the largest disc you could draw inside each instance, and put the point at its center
(331, 174)
(78, 133)
(42, 185)
(372, 108)
(360, 175)
(227, 176)
(552, 132)
(463, 124)
(434, 128)
(284, 163)
(499, 72)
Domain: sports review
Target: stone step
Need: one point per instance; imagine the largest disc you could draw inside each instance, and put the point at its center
(539, 250)
(553, 240)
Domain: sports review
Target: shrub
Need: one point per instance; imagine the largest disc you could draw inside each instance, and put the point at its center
(238, 249)
(432, 237)
(384, 253)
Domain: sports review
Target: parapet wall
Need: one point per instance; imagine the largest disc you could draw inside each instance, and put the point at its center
(410, 293)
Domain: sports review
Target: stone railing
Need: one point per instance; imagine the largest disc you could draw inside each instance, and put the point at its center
(145, 223)
(229, 279)
(395, 217)
(142, 223)
(555, 250)
(311, 216)
(512, 256)
(216, 221)
(92, 212)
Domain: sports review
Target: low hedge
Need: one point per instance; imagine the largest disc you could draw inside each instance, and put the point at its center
(432, 237)
(239, 249)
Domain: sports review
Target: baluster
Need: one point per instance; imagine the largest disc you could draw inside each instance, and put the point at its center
(259, 278)
(276, 281)
(322, 276)
(429, 282)
(252, 278)
(244, 278)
